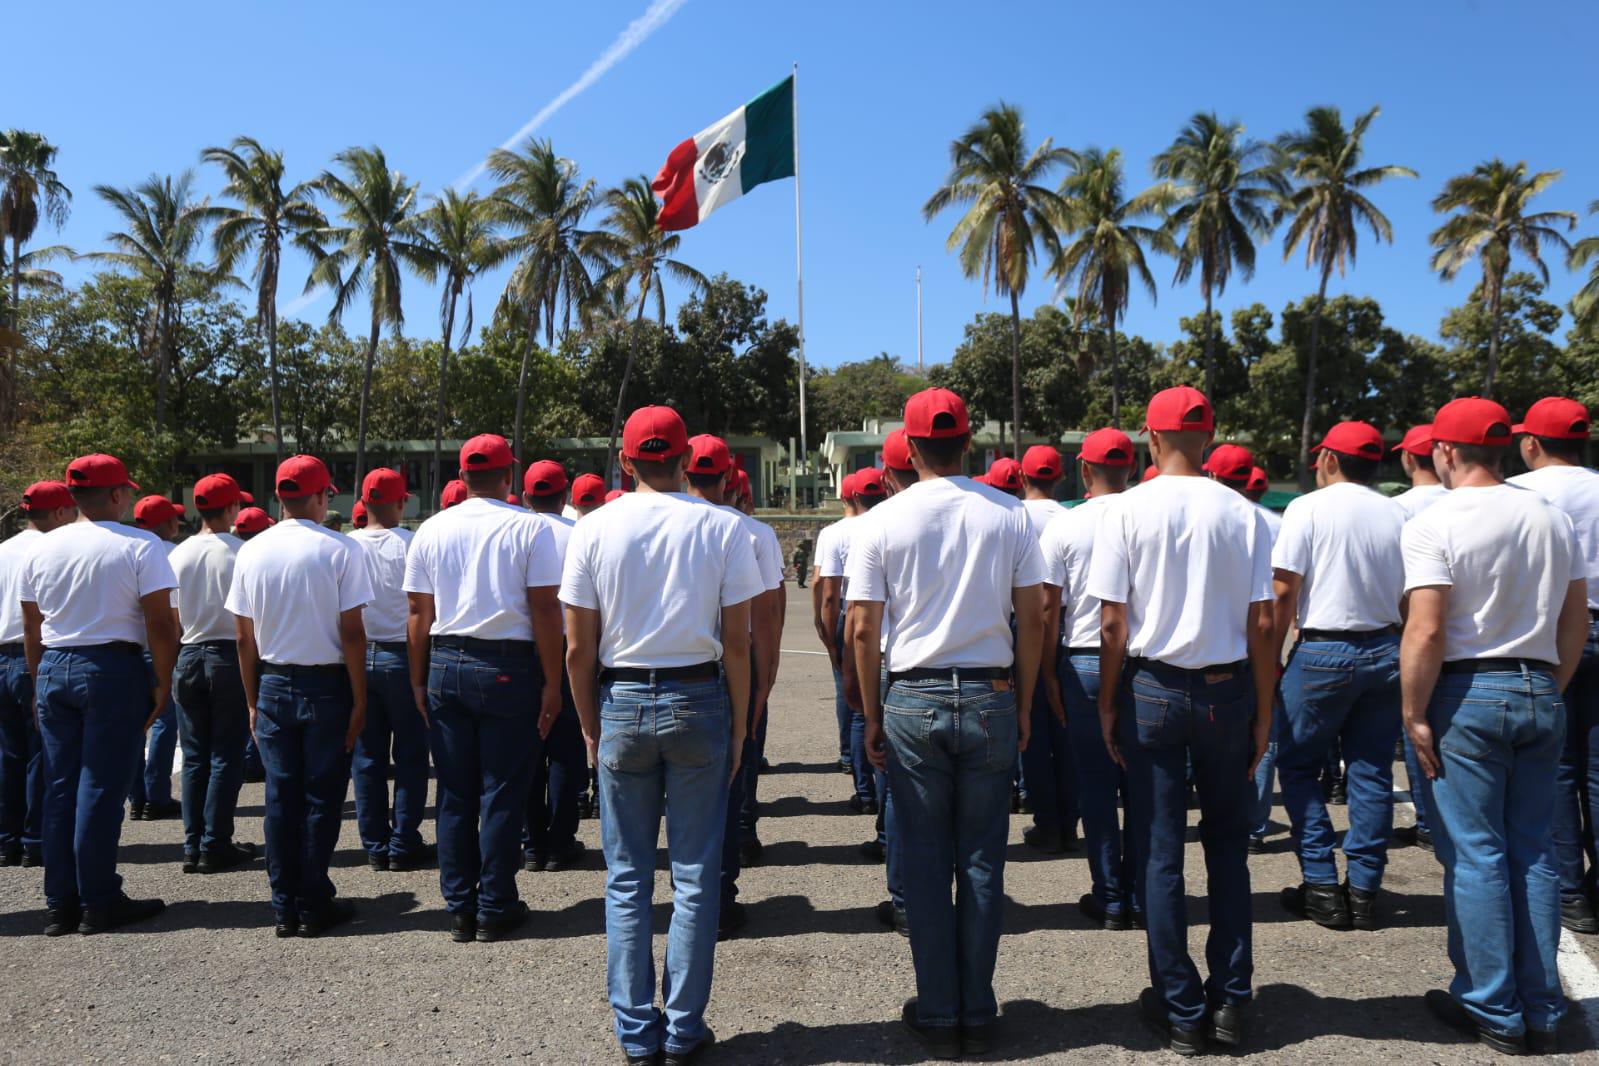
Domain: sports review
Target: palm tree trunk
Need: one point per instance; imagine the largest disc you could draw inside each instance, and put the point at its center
(1495, 299)
(1210, 352)
(366, 395)
(163, 365)
(272, 375)
(1015, 372)
(1115, 372)
(1306, 426)
(436, 486)
(8, 388)
(521, 388)
(621, 393)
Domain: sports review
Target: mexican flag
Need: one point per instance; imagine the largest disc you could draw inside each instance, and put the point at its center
(753, 145)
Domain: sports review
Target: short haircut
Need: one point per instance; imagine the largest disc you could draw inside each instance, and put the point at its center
(1424, 462)
(1571, 451)
(1113, 476)
(1361, 469)
(1042, 484)
(654, 470)
(1488, 456)
(866, 503)
(1185, 440)
(703, 481)
(209, 513)
(545, 501)
(94, 497)
(941, 451)
(483, 481)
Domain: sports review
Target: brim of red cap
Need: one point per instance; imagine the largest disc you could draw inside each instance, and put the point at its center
(1521, 427)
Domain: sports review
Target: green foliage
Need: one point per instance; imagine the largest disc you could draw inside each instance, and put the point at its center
(845, 396)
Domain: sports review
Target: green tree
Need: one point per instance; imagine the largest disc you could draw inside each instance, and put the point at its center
(1225, 189)
(30, 190)
(1585, 305)
(1106, 245)
(848, 394)
(1520, 331)
(1490, 221)
(1327, 207)
(1008, 213)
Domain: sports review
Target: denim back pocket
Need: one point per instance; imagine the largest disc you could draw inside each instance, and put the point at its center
(996, 713)
(623, 707)
(908, 719)
(503, 690)
(1158, 712)
(695, 723)
(1467, 727)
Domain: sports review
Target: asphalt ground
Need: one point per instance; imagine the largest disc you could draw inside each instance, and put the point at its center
(813, 978)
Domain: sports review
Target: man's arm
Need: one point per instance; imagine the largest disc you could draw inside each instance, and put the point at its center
(830, 608)
(1285, 583)
(249, 663)
(582, 667)
(1572, 632)
(418, 626)
(817, 613)
(768, 631)
(161, 629)
(352, 638)
(846, 664)
(1112, 656)
(1028, 603)
(865, 650)
(736, 661)
(544, 606)
(1421, 658)
(33, 647)
(1049, 649)
(1265, 655)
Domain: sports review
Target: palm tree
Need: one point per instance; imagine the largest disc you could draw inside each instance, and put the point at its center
(381, 237)
(1585, 305)
(165, 227)
(1327, 206)
(461, 231)
(639, 253)
(1226, 188)
(1106, 249)
(542, 202)
(266, 216)
(29, 190)
(1491, 221)
(991, 169)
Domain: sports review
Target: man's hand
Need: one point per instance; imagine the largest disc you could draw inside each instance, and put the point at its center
(419, 693)
(592, 743)
(1420, 733)
(876, 745)
(1107, 729)
(735, 757)
(1260, 753)
(251, 708)
(549, 708)
(357, 723)
(160, 695)
(1057, 702)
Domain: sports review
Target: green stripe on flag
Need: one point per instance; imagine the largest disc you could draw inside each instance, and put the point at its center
(768, 136)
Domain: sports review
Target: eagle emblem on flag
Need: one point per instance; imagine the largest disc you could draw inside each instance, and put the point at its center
(720, 161)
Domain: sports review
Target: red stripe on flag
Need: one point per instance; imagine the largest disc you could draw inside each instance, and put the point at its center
(675, 186)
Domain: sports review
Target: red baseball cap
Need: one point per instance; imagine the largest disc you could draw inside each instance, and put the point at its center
(252, 520)
(588, 489)
(654, 432)
(614, 494)
(544, 478)
(1359, 439)
(246, 498)
(897, 451)
(1005, 473)
(384, 486)
(513, 499)
(98, 471)
(936, 413)
(869, 482)
(46, 496)
(301, 475)
(739, 482)
(154, 510)
(216, 491)
(486, 451)
(1151, 472)
(1177, 409)
(454, 493)
(1107, 447)
(1472, 420)
(1556, 417)
(846, 487)
(358, 514)
(1042, 463)
(981, 479)
(708, 454)
(1418, 441)
(1230, 462)
(1257, 480)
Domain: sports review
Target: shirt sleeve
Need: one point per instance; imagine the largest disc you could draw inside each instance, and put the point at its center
(1028, 568)
(25, 592)
(1426, 561)
(741, 577)
(1260, 589)
(831, 561)
(238, 601)
(1579, 562)
(1292, 550)
(1052, 550)
(866, 574)
(577, 579)
(1109, 568)
(154, 568)
(418, 576)
(355, 587)
(768, 556)
(543, 558)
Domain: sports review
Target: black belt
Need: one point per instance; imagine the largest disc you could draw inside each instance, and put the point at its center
(1074, 652)
(111, 645)
(1497, 666)
(1138, 662)
(646, 675)
(949, 673)
(1346, 636)
(13, 649)
(485, 647)
(393, 647)
(313, 670)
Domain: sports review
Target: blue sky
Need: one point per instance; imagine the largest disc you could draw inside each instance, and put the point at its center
(884, 86)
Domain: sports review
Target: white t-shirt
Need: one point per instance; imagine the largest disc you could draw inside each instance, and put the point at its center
(768, 552)
(1067, 546)
(293, 581)
(1274, 521)
(1508, 557)
(832, 548)
(1187, 555)
(1343, 541)
(88, 579)
(1418, 498)
(478, 559)
(561, 530)
(384, 552)
(204, 568)
(13, 553)
(659, 567)
(943, 558)
(1041, 512)
(570, 513)
(1575, 490)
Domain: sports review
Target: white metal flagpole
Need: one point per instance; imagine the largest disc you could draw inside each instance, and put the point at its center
(799, 274)
(919, 320)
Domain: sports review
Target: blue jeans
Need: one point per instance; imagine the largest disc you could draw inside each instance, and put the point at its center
(1101, 789)
(1577, 801)
(1413, 775)
(663, 750)
(952, 750)
(840, 705)
(1348, 692)
(1206, 716)
(152, 783)
(301, 719)
(559, 775)
(484, 724)
(738, 791)
(1260, 819)
(392, 723)
(21, 760)
(252, 756)
(865, 776)
(213, 721)
(93, 703)
(1499, 738)
(1047, 767)
(888, 832)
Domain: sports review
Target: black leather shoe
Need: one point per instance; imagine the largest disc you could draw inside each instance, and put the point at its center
(566, 858)
(1068, 838)
(1257, 845)
(463, 928)
(335, 912)
(1046, 840)
(1362, 907)
(62, 921)
(31, 859)
(1138, 920)
(977, 1039)
(1449, 1011)
(1323, 904)
(749, 852)
(156, 812)
(499, 926)
(845, 766)
(135, 812)
(1184, 1042)
(1543, 1042)
(533, 861)
(652, 1059)
(11, 856)
(585, 806)
(191, 862)
(1092, 909)
(286, 927)
(939, 1041)
(1578, 916)
(873, 851)
(862, 806)
(124, 911)
(411, 860)
(1414, 836)
(1338, 794)
(1226, 1024)
(893, 917)
(683, 1058)
(734, 917)
(377, 860)
(221, 860)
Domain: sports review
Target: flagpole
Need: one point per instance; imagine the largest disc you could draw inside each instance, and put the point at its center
(799, 274)
(919, 320)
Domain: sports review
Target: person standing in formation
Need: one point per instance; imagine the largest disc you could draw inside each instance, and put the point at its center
(588, 495)
(297, 595)
(1047, 762)
(151, 796)
(49, 506)
(390, 833)
(213, 719)
(1337, 570)
(1554, 435)
(1072, 689)
(658, 589)
(870, 489)
(1497, 617)
(940, 568)
(1183, 572)
(453, 493)
(1415, 458)
(94, 694)
(482, 580)
(251, 521)
(827, 611)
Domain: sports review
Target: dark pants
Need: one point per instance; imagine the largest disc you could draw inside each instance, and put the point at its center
(152, 783)
(302, 715)
(93, 703)
(738, 792)
(1047, 767)
(1101, 790)
(213, 721)
(483, 710)
(1169, 715)
(392, 723)
(1577, 793)
(21, 759)
(559, 775)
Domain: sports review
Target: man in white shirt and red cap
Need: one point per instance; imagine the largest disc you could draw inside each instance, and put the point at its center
(827, 604)
(151, 796)
(1415, 458)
